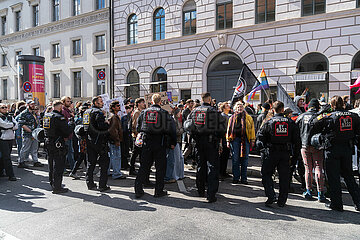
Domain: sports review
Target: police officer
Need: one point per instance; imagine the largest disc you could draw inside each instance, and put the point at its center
(339, 130)
(155, 124)
(56, 129)
(209, 126)
(96, 127)
(275, 137)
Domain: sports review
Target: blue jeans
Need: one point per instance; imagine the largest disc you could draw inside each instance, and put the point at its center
(115, 161)
(237, 161)
(70, 154)
(170, 164)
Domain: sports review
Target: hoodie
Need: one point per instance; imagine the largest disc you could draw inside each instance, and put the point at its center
(296, 101)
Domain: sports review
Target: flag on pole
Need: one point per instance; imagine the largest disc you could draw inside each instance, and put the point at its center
(245, 83)
(356, 84)
(261, 84)
(284, 97)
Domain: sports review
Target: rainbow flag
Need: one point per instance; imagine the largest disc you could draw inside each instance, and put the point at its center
(262, 83)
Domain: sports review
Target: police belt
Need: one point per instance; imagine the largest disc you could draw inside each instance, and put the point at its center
(278, 147)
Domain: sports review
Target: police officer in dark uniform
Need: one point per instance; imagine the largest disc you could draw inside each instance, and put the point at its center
(339, 129)
(56, 129)
(155, 124)
(209, 127)
(96, 127)
(278, 137)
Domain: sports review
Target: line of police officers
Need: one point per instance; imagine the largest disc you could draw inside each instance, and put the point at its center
(278, 138)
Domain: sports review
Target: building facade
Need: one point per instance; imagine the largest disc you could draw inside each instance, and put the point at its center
(72, 35)
(188, 47)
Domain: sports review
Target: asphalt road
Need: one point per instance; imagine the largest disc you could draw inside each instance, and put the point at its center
(28, 210)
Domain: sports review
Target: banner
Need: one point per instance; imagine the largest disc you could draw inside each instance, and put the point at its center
(165, 104)
(37, 81)
(245, 83)
(284, 97)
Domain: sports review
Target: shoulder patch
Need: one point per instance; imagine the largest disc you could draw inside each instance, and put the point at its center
(321, 116)
(46, 122)
(86, 118)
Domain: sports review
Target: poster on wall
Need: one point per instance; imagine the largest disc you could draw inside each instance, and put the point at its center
(37, 81)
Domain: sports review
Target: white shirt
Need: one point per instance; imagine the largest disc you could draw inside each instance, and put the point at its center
(10, 127)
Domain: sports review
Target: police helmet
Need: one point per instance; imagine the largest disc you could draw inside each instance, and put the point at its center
(317, 141)
(39, 134)
(189, 126)
(80, 131)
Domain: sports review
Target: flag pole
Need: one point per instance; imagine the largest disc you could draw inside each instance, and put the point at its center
(267, 95)
(232, 98)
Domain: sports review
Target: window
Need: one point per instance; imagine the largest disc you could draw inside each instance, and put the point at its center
(160, 78)
(134, 89)
(35, 15)
(224, 15)
(265, 11)
(76, 7)
(132, 29)
(189, 18)
(77, 84)
(100, 83)
(185, 94)
(358, 3)
(159, 24)
(36, 51)
(76, 47)
(5, 89)
(17, 21)
(100, 4)
(56, 10)
(56, 50)
(17, 53)
(3, 25)
(56, 78)
(312, 7)
(3, 60)
(100, 43)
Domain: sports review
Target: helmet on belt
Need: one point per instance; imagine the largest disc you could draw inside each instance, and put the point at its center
(80, 131)
(39, 134)
(317, 141)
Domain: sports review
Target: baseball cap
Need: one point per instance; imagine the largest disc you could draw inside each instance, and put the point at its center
(30, 102)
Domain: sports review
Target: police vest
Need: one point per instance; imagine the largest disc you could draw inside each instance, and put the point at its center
(280, 130)
(343, 126)
(207, 120)
(49, 124)
(154, 121)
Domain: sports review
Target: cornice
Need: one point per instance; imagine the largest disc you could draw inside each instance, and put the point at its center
(4, 12)
(16, 7)
(33, 2)
(239, 30)
(85, 19)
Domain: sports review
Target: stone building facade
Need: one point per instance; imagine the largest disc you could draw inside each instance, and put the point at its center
(318, 51)
(72, 35)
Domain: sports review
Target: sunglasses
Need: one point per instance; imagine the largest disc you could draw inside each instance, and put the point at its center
(3, 107)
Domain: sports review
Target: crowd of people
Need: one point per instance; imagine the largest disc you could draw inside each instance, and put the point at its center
(318, 142)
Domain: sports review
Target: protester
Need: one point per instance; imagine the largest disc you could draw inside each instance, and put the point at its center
(127, 138)
(264, 111)
(224, 155)
(69, 116)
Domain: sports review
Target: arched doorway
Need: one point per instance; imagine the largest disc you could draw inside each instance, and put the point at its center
(222, 75)
(312, 76)
(355, 73)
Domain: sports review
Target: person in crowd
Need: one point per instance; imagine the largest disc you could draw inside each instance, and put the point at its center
(224, 155)
(28, 122)
(140, 106)
(300, 103)
(348, 106)
(7, 127)
(312, 157)
(264, 112)
(240, 136)
(69, 116)
(21, 106)
(56, 129)
(179, 159)
(155, 125)
(259, 108)
(170, 156)
(275, 136)
(127, 138)
(116, 137)
(97, 128)
(339, 129)
(356, 163)
(288, 113)
(249, 109)
(188, 150)
(209, 127)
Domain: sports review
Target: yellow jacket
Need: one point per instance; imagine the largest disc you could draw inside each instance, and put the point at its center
(250, 129)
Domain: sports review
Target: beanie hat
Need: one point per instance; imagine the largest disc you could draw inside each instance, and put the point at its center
(266, 106)
(314, 103)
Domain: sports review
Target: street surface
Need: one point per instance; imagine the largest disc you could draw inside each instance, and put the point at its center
(28, 210)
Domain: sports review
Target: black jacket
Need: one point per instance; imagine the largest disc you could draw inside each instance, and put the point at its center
(304, 124)
(260, 119)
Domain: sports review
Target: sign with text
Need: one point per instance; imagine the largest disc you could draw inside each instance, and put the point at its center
(165, 104)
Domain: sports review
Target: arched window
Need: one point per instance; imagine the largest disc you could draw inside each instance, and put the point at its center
(159, 80)
(189, 18)
(134, 89)
(224, 14)
(265, 11)
(159, 24)
(313, 7)
(132, 29)
(356, 62)
(312, 78)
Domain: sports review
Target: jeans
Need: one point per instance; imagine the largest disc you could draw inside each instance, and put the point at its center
(170, 161)
(29, 146)
(70, 153)
(237, 161)
(115, 161)
(178, 163)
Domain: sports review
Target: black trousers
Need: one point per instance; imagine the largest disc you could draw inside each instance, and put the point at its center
(56, 160)
(81, 158)
(5, 149)
(125, 150)
(136, 152)
(208, 166)
(152, 150)
(338, 161)
(280, 161)
(298, 164)
(97, 153)
(224, 158)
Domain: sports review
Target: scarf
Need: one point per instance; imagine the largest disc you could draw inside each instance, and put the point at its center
(234, 119)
